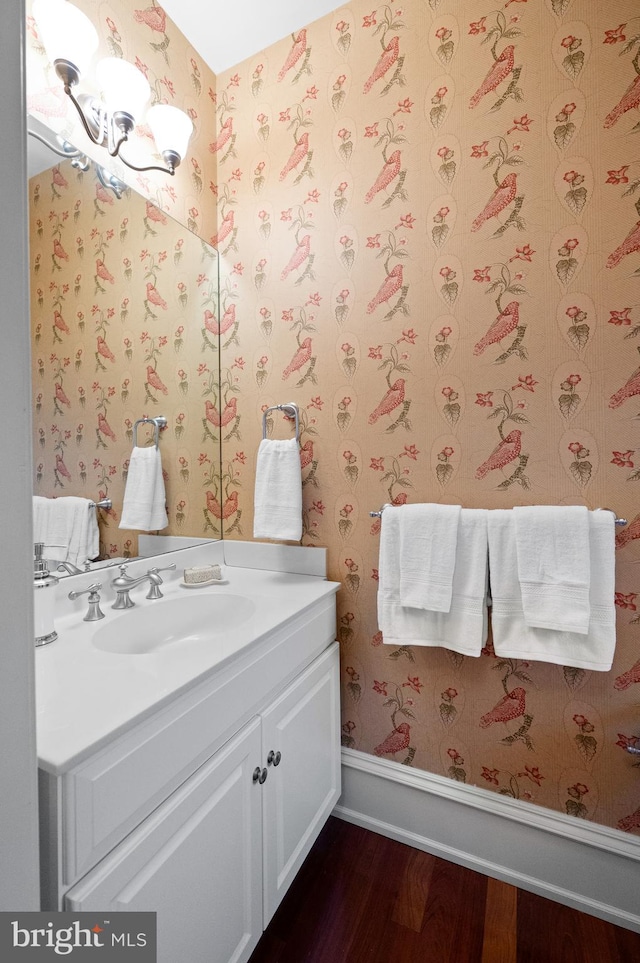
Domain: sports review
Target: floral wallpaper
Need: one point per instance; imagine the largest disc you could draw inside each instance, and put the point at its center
(125, 294)
(124, 304)
(428, 230)
(429, 223)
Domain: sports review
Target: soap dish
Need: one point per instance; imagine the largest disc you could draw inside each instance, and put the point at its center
(210, 581)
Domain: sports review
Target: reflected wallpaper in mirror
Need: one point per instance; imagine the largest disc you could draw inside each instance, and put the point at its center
(124, 305)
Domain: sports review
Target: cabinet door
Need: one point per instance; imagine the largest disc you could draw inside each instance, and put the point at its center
(303, 725)
(196, 861)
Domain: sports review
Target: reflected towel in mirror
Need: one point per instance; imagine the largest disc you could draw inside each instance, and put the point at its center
(68, 527)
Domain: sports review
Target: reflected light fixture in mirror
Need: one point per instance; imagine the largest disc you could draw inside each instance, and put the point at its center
(70, 40)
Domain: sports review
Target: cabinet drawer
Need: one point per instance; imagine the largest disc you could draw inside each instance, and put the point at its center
(106, 797)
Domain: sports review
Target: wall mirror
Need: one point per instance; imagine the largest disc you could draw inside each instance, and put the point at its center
(124, 304)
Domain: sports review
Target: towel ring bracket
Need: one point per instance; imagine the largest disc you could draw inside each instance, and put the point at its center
(290, 409)
(158, 422)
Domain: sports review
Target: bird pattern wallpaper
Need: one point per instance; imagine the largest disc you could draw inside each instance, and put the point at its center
(436, 252)
(124, 305)
(428, 226)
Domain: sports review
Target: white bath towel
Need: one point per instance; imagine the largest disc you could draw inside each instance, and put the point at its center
(428, 539)
(464, 628)
(278, 491)
(144, 504)
(514, 639)
(68, 527)
(552, 545)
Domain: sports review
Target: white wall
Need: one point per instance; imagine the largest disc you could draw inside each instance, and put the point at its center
(19, 888)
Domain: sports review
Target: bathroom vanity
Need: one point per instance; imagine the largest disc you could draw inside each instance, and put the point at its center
(189, 761)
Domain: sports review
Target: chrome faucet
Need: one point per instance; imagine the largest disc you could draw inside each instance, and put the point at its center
(123, 584)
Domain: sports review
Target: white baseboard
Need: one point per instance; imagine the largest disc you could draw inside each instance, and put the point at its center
(581, 864)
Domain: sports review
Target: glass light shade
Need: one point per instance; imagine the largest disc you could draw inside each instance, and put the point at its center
(66, 32)
(122, 86)
(171, 128)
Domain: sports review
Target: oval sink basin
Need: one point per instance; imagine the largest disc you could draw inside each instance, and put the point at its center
(147, 630)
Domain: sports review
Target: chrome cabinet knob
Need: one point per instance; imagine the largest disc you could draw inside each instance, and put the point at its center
(273, 759)
(259, 775)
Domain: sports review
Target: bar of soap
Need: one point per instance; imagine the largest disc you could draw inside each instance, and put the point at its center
(202, 573)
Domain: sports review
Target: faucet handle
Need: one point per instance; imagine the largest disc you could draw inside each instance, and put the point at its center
(155, 581)
(89, 590)
(166, 568)
(94, 612)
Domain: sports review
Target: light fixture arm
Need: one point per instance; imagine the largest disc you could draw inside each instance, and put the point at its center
(96, 123)
(169, 169)
(100, 128)
(64, 149)
(120, 121)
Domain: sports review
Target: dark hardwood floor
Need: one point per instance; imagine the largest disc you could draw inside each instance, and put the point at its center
(362, 898)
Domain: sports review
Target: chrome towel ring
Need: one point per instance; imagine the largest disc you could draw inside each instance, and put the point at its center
(290, 409)
(159, 422)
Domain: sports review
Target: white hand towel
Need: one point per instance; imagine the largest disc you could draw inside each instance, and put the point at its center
(278, 491)
(50, 527)
(464, 628)
(428, 539)
(144, 502)
(552, 544)
(84, 538)
(68, 527)
(514, 639)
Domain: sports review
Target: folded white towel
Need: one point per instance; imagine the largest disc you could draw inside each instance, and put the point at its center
(51, 527)
(144, 503)
(68, 527)
(464, 628)
(514, 639)
(428, 539)
(84, 541)
(278, 491)
(552, 544)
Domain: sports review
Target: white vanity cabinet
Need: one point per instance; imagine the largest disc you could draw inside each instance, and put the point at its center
(214, 851)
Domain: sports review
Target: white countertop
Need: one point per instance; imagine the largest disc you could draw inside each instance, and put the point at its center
(85, 695)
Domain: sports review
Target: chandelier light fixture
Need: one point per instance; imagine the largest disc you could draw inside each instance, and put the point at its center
(70, 41)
